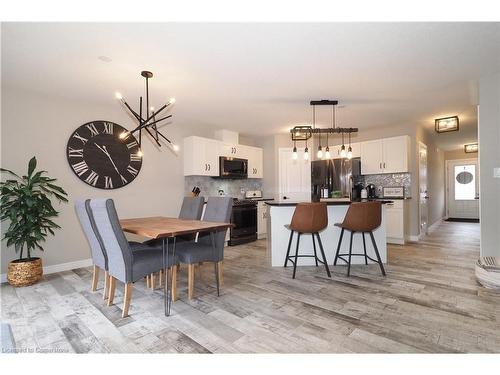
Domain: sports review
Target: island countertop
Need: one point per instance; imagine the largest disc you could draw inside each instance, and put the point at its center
(288, 203)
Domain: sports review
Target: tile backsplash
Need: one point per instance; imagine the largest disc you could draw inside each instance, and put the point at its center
(387, 180)
(210, 186)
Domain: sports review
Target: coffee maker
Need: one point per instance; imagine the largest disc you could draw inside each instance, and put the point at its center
(372, 191)
(356, 192)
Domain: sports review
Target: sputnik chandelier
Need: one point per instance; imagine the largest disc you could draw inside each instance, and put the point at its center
(304, 133)
(147, 118)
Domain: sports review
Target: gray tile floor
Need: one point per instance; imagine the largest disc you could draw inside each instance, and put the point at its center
(429, 302)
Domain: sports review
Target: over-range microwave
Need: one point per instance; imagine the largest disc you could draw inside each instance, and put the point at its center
(233, 167)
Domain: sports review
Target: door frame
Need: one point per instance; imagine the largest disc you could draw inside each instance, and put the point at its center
(447, 184)
(420, 233)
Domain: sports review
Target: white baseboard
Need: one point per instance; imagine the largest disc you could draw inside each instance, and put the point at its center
(433, 227)
(58, 268)
(396, 241)
(412, 238)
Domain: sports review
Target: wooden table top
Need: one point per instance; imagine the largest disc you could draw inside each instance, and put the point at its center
(158, 226)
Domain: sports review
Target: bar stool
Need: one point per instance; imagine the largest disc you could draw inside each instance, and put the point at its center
(308, 218)
(361, 217)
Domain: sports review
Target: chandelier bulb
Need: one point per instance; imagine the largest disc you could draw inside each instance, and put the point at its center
(343, 153)
(306, 154)
(327, 153)
(175, 147)
(118, 96)
(171, 101)
(320, 153)
(294, 154)
(349, 153)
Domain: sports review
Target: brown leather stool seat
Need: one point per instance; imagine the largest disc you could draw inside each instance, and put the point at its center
(308, 218)
(361, 217)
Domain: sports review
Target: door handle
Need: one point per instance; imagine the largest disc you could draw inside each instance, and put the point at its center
(380, 165)
(285, 197)
(384, 165)
(208, 166)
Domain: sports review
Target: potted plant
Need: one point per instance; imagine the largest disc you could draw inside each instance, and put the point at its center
(25, 202)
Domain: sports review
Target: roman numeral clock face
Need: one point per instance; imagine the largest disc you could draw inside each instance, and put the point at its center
(100, 158)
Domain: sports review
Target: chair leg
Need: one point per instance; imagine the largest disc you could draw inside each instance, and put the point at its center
(190, 280)
(350, 252)
(95, 278)
(296, 255)
(289, 245)
(112, 287)
(338, 247)
(377, 254)
(323, 255)
(127, 296)
(216, 267)
(148, 281)
(199, 271)
(314, 247)
(153, 281)
(173, 270)
(160, 278)
(364, 247)
(221, 273)
(106, 285)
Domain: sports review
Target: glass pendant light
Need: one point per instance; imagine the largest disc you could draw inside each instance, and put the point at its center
(327, 153)
(294, 154)
(343, 153)
(306, 152)
(349, 150)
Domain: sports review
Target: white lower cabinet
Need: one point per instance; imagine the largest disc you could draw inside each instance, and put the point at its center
(394, 222)
(262, 215)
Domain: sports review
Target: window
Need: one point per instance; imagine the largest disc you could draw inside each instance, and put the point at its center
(465, 182)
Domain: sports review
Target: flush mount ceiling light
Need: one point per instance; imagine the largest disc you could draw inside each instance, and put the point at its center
(303, 133)
(471, 148)
(147, 118)
(446, 124)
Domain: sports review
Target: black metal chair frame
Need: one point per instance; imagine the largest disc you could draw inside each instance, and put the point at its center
(296, 256)
(350, 254)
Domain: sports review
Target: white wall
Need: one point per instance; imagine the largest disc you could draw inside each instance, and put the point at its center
(489, 158)
(37, 125)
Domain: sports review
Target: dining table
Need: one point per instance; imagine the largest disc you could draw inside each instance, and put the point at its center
(167, 229)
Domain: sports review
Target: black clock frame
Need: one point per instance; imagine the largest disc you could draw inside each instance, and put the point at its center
(118, 161)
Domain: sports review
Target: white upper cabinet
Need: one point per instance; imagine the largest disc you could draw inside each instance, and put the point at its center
(201, 156)
(371, 157)
(388, 155)
(255, 162)
(396, 154)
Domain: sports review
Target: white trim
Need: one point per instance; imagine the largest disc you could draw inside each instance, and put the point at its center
(434, 226)
(58, 268)
(412, 238)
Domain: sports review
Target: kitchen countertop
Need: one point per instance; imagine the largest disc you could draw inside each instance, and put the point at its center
(287, 203)
(260, 199)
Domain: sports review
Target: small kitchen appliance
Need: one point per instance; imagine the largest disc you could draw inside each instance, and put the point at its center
(371, 191)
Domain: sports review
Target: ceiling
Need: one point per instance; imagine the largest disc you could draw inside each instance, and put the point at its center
(258, 78)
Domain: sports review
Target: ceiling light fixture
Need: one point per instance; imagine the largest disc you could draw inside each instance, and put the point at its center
(304, 132)
(148, 122)
(471, 148)
(446, 124)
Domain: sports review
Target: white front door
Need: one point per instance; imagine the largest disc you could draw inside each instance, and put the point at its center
(294, 176)
(463, 189)
(422, 189)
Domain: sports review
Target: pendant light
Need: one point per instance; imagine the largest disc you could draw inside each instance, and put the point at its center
(343, 153)
(349, 150)
(306, 152)
(295, 155)
(320, 149)
(327, 149)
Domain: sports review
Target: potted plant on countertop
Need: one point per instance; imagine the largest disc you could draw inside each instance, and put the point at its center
(25, 202)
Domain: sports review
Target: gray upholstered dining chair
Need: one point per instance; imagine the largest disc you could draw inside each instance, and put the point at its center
(97, 252)
(124, 264)
(217, 209)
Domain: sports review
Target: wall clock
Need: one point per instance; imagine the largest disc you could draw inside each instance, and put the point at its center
(100, 158)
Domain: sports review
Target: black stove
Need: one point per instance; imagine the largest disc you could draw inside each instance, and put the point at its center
(244, 218)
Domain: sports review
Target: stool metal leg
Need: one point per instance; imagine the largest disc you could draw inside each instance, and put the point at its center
(377, 254)
(350, 252)
(296, 255)
(314, 247)
(364, 247)
(289, 245)
(323, 255)
(338, 247)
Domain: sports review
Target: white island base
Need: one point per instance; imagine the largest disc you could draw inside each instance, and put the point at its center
(278, 236)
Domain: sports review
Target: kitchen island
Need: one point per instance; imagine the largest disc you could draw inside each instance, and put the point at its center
(280, 214)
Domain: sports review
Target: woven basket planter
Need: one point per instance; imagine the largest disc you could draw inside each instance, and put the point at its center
(24, 272)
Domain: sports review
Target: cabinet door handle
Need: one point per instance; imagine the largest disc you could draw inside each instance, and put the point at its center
(384, 165)
(209, 167)
(206, 168)
(380, 165)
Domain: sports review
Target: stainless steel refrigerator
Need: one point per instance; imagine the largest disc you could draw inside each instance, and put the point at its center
(336, 175)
